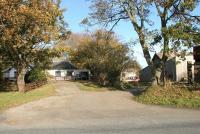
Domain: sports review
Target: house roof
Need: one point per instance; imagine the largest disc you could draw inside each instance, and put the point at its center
(7, 69)
(159, 56)
(171, 55)
(63, 65)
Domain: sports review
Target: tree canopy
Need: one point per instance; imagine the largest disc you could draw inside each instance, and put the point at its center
(174, 15)
(103, 54)
(28, 29)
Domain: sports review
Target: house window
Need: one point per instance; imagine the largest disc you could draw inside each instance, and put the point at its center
(58, 73)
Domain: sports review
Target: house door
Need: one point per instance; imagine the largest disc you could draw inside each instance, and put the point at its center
(58, 73)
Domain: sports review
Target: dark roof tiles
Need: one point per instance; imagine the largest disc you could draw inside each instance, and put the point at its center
(63, 65)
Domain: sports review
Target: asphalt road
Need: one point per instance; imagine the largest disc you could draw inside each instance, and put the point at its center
(73, 111)
(127, 127)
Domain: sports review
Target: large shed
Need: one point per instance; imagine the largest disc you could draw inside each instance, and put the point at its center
(175, 68)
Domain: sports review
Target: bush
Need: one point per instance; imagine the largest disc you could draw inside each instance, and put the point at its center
(35, 75)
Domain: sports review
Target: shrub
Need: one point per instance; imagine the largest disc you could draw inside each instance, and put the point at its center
(36, 74)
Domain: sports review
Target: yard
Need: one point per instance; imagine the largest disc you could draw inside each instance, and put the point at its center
(170, 96)
(11, 99)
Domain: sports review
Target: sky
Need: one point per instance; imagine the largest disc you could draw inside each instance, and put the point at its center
(77, 10)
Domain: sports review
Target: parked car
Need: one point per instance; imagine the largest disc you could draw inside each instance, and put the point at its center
(132, 79)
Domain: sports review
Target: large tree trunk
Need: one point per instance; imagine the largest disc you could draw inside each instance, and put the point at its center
(166, 47)
(147, 57)
(140, 29)
(20, 80)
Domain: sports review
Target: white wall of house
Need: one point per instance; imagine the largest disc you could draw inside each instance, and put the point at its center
(53, 72)
(181, 67)
(10, 74)
(63, 73)
(62, 76)
(175, 67)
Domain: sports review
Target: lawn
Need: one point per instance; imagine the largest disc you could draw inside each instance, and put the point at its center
(170, 96)
(91, 86)
(11, 99)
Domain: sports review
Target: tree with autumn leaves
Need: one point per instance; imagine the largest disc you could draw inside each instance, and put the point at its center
(28, 30)
(103, 54)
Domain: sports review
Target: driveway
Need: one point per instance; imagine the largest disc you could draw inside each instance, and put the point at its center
(76, 112)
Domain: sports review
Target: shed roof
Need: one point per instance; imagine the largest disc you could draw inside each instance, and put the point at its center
(63, 65)
(159, 56)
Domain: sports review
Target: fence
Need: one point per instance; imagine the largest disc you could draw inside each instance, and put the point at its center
(34, 85)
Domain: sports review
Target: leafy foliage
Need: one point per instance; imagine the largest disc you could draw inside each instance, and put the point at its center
(179, 24)
(184, 36)
(103, 54)
(27, 31)
(170, 12)
(111, 12)
(37, 74)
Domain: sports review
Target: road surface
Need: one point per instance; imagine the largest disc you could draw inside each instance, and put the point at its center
(73, 111)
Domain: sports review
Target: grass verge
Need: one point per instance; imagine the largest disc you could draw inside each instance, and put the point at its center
(170, 96)
(11, 99)
(91, 86)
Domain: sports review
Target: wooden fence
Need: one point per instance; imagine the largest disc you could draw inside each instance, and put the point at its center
(34, 85)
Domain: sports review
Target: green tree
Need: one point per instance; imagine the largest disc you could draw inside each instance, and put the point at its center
(103, 54)
(178, 26)
(27, 29)
(37, 74)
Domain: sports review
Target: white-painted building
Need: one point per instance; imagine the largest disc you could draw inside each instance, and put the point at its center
(9, 73)
(64, 70)
(175, 68)
(181, 67)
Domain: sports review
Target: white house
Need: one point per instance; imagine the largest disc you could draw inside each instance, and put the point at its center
(65, 70)
(9, 73)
